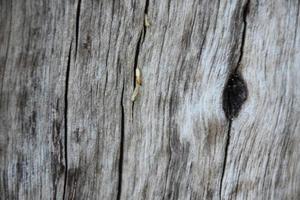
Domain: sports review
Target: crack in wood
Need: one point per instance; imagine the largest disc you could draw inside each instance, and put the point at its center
(135, 65)
(145, 26)
(136, 57)
(234, 94)
(225, 157)
(245, 13)
(77, 27)
(137, 51)
(121, 157)
(66, 118)
(66, 93)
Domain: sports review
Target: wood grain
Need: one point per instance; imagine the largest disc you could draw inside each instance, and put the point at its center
(263, 154)
(101, 73)
(35, 41)
(175, 144)
(216, 117)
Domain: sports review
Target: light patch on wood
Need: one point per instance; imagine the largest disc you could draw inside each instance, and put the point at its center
(147, 22)
(138, 83)
(188, 113)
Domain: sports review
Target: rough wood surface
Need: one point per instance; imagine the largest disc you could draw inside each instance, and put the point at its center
(263, 155)
(100, 83)
(35, 37)
(216, 117)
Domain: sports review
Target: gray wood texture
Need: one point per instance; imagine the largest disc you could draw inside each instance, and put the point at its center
(217, 114)
(35, 41)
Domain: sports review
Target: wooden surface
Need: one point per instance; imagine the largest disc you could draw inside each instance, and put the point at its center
(217, 115)
(35, 42)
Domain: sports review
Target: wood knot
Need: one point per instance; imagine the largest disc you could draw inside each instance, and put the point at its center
(234, 95)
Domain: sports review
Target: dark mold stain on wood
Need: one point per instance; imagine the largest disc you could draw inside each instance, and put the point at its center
(234, 95)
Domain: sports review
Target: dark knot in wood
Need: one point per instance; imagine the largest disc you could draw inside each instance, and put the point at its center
(234, 95)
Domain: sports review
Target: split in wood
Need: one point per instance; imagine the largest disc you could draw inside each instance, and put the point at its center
(138, 83)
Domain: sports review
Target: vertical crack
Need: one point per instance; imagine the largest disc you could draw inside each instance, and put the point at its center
(67, 91)
(146, 6)
(225, 156)
(145, 15)
(136, 57)
(135, 64)
(77, 26)
(66, 118)
(235, 93)
(244, 16)
(137, 51)
(121, 158)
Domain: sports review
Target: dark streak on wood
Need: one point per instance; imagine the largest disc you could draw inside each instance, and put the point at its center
(225, 157)
(121, 154)
(244, 17)
(66, 118)
(77, 26)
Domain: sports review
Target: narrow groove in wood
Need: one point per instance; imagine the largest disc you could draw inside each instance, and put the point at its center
(135, 65)
(146, 6)
(137, 51)
(77, 25)
(225, 156)
(66, 119)
(245, 13)
(121, 158)
(145, 14)
(136, 57)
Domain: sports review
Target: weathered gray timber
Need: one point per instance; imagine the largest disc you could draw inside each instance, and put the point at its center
(217, 115)
(35, 41)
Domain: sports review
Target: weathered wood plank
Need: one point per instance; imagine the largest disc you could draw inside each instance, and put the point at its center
(70, 131)
(175, 145)
(35, 37)
(263, 156)
(101, 71)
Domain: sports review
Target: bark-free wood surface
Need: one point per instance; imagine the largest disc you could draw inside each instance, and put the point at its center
(35, 41)
(217, 115)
